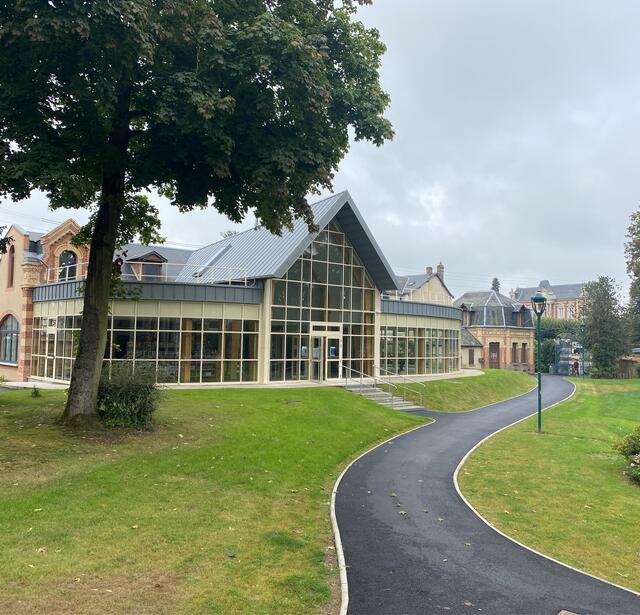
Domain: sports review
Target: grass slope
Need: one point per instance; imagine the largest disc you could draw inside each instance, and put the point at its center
(223, 509)
(462, 394)
(564, 493)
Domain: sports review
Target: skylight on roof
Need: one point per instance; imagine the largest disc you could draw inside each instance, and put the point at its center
(217, 254)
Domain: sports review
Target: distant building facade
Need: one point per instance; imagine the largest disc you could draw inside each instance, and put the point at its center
(564, 301)
(428, 287)
(502, 326)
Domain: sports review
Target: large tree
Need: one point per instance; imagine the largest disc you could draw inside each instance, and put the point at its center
(632, 253)
(605, 333)
(243, 105)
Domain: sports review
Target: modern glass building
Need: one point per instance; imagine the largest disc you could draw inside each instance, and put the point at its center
(252, 308)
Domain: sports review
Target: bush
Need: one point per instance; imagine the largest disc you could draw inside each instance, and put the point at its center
(634, 472)
(629, 446)
(127, 399)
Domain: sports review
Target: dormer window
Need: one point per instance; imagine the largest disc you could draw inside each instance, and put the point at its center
(67, 266)
(150, 267)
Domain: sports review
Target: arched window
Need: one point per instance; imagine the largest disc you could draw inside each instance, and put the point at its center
(11, 265)
(67, 262)
(9, 340)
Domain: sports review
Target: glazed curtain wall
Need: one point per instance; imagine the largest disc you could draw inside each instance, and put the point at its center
(327, 285)
(180, 342)
(422, 346)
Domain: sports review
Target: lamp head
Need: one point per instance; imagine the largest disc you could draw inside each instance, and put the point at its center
(539, 303)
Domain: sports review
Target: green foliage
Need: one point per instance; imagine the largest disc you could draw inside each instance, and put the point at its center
(127, 399)
(605, 331)
(5, 242)
(629, 446)
(35, 392)
(632, 254)
(547, 354)
(633, 472)
(557, 328)
(243, 105)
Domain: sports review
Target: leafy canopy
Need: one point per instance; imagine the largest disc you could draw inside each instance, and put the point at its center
(605, 333)
(244, 105)
(632, 254)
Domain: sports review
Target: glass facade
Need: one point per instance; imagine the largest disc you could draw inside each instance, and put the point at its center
(179, 349)
(323, 313)
(419, 350)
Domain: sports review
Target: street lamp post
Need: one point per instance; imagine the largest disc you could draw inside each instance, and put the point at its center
(539, 303)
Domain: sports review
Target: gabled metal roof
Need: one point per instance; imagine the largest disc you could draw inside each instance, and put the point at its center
(258, 254)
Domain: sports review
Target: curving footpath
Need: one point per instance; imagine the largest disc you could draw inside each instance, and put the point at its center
(448, 560)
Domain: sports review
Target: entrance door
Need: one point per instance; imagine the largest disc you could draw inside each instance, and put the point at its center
(51, 355)
(494, 355)
(333, 363)
(317, 359)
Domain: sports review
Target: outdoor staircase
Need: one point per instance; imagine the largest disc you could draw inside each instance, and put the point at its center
(380, 396)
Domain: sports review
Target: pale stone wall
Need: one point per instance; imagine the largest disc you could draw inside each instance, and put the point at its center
(432, 291)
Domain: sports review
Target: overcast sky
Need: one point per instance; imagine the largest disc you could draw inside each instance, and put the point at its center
(516, 151)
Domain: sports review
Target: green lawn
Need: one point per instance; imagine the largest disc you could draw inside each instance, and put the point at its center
(222, 509)
(461, 394)
(564, 493)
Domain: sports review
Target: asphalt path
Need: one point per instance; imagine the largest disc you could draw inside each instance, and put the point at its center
(447, 560)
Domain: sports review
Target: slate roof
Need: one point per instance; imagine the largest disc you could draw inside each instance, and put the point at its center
(557, 291)
(468, 340)
(491, 309)
(409, 283)
(258, 254)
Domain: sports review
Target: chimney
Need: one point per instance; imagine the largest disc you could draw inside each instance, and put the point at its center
(441, 271)
(429, 271)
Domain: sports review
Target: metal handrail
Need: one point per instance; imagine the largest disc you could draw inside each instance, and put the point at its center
(404, 383)
(375, 380)
(170, 272)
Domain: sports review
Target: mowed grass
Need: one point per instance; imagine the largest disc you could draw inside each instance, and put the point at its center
(224, 508)
(462, 394)
(564, 492)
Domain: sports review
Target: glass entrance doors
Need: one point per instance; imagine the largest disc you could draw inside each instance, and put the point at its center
(317, 362)
(326, 358)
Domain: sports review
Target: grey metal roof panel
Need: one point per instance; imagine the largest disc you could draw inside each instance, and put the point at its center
(257, 253)
(159, 291)
(414, 308)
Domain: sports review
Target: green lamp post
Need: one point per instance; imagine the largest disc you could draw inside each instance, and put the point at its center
(539, 303)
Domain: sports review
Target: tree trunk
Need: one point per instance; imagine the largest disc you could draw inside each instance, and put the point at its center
(85, 379)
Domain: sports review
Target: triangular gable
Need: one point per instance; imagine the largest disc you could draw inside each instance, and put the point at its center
(347, 215)
(149, 257)
(68, 226)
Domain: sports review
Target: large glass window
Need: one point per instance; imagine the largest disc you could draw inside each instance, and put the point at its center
(9, 340)
(409, 350)
(328, 284)
(67, 265)
(175, 350)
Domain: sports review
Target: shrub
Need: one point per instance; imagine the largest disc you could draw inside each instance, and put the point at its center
(127, 399)
(634, 471)
(35, 392)
(629, 445)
